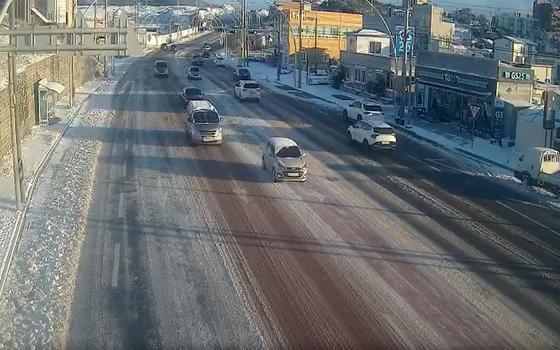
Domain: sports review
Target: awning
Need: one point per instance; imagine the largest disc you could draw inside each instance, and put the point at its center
(454, 88)
(52, 86)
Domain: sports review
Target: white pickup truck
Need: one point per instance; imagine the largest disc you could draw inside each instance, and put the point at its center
(539, 166)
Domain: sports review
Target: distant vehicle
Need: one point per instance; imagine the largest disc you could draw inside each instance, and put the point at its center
(206, 46)
(191, 94)
(169, 46)
(247, 90)
(358, 110)
(539, 166)
(194, 73)
(284, 159)
(203, 123)
(372, 133)
(220, 62)
(206, 54)
(161, 69)
(241, 74)
(198, 61)
(321, 77)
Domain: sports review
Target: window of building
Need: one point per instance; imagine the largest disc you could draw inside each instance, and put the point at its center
(360, 74)
(374, 47)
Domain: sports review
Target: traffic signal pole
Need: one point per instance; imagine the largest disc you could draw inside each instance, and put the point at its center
(299, 51)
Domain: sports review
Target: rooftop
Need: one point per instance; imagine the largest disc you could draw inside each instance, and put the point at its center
(369, 32)
(519, 40)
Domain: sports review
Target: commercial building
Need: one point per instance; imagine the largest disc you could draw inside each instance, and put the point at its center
(514, 50)
(447, 85)
(516, 24)
(321, 29)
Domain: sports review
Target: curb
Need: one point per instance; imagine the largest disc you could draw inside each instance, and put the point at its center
(22, 214)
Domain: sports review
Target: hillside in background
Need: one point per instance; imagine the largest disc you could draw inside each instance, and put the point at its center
(150, 2)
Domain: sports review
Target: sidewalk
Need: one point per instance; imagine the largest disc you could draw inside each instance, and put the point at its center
(487, 157)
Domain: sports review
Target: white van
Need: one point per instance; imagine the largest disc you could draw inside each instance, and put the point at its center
(203, 124)
(161, 69)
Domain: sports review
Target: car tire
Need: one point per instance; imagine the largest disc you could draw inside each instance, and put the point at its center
(365, 146)
(349, 139)
(526, 179)
(345, 115)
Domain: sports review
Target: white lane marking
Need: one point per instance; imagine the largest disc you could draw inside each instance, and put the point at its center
(121, 210)
(433, 161)
(109, 345)
(123, 169)
(423, 163)
(115, 275)
(529, 218)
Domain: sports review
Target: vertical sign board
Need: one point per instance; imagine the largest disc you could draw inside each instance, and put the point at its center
(498, 122)
(399, 42)
(475, 112)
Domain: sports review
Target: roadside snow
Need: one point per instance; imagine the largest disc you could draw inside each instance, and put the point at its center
(35, 306)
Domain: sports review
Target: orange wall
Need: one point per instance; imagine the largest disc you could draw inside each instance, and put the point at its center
(332, 42)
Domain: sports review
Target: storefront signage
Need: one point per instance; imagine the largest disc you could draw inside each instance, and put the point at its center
(517, 75)
(449, 78)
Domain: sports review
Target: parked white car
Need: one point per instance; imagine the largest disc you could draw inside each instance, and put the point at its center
(372, 133)
(319, 78)
(539, 166)
(359, 110)
(247, 90)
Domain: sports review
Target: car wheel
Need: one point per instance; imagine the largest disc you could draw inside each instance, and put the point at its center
(345, 115)
(359, 118)
(349, 137)
(526, 179)
(365, 146)
(274, 175)
(263, 163)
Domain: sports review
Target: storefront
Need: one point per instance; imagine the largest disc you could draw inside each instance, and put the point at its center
(447, 85)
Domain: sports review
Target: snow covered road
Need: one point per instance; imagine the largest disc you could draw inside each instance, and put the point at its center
(196, 247)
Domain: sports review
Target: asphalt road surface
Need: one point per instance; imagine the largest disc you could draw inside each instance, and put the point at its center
(196, 247)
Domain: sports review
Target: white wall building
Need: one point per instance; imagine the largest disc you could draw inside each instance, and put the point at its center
(514, 50)
(369, 41)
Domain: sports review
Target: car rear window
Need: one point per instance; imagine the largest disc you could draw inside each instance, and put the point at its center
(192, 92)
(251, 86)
(372, 108)
(244, 72)
(161, 64)
(195, 69)
(383, 130)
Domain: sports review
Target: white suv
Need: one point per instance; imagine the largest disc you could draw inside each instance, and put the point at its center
(372, 134)
(359, 110)
(247, 90)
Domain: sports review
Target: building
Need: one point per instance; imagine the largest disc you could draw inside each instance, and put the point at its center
(514, 50)
(432, 32)
(530, 132)
(516, 24)
(52, 12)
(368, 58)
(320, 29)
(447, 85)
(547, 14)
(369, 41)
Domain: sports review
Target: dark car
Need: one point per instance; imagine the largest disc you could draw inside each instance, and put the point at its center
(192, 94)
(241, 74)
(197, 61)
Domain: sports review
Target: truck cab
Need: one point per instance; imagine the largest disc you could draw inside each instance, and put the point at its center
(539, 166)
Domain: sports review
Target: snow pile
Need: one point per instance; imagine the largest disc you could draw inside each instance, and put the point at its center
(36, 305)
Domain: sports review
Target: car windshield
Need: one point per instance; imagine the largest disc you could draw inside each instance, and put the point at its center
(372, 108)
(161, 64)
(251, 86)
(244, 72)
(193, 92)
(289, 152)
(195, 69)
(205, 117)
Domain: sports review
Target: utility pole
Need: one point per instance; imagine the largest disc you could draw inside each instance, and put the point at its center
(315, 53)
(17, 163)
(279, 55)
(105, 71)
(71, 62)
(405, 54)
(300, 51)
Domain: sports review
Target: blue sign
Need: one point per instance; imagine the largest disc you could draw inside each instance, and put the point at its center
(399, 42)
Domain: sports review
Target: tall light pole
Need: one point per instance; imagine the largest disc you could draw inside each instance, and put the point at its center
(300, 51)
(404, 59)
(17, 163)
